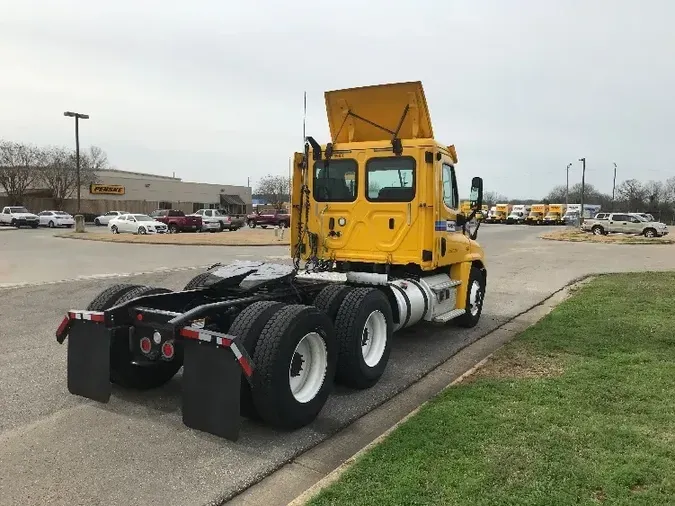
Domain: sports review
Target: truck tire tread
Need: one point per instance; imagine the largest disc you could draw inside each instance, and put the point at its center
(352, 371)
(467, 320)
(247, 326)
(107, 298)
(330, 298)
(272, 396)
(198, 281)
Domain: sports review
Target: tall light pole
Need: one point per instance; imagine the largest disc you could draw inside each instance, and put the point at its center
(567, 192)
(613, 186)
(583, 185)
(78, 116)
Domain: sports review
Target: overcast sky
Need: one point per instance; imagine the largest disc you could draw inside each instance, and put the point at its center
(212, 89)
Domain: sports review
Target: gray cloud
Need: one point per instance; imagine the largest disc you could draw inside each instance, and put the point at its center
(213, 90)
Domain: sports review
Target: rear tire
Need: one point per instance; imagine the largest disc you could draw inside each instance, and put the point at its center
(114, 230)
(127, 374)
(292, 383)
(247, 326)
(330, 299)
(97, 222)
(107, 298)
(475, 296)
(199, 281)
(364, 328)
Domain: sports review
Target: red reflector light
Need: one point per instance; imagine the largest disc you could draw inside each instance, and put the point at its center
(139, 317)
(146, 345)
(168, 350)
(189, 333)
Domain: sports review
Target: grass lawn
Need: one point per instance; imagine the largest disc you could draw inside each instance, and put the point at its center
(574, 235)
(579, 409)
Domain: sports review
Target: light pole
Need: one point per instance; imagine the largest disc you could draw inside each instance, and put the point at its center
(77, 117)
(583, 185)
(613, 186)
(567, 192)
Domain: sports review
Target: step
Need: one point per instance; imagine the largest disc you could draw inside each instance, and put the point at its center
(446, 317)
(444, 286)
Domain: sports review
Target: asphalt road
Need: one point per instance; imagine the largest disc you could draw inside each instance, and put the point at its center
(59, 449)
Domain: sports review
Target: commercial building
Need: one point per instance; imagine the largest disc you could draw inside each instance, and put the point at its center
(138, 192)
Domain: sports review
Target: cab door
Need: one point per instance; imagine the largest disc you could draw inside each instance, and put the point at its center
(451, 245)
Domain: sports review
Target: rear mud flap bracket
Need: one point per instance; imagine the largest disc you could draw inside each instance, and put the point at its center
(89, 360)
(211, 389)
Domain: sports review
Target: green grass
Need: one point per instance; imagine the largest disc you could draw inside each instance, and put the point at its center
(579, 409)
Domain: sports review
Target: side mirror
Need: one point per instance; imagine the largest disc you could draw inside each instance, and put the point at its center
(476, 196)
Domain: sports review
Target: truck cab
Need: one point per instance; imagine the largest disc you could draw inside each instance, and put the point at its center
(518, 214)
(555, 214)
(381, 199)
(502, 212)
(536, 215)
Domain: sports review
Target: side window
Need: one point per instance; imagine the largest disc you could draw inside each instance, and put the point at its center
(390, 179)
(336, 183)
(450, 194)
(620, 217)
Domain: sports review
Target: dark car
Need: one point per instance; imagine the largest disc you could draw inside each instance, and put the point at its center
(274, 218)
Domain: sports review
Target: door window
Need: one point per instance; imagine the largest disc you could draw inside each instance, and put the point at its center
(450, 193)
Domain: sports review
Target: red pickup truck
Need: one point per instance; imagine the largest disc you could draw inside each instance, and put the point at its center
(269, 219)
(177, 221)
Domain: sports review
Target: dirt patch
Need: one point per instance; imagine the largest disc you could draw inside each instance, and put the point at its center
(580, 236)
(519, 364)
(244, 237)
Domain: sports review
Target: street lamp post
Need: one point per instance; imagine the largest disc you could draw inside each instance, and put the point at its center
(567, 192)
(613, 186)
(77, 117)
(583, 185)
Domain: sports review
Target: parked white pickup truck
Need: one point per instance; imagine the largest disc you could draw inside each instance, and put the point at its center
(18, 216)
(624, 223)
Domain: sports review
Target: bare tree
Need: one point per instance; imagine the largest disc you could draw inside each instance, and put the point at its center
(274, 189)
(20, 166)
(669, 191)
(493, 198)
(633, 193)
(93, 160)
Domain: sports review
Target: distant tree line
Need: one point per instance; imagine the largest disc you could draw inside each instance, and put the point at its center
(632, 195)
(46, 171)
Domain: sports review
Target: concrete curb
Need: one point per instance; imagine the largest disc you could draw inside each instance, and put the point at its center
(304, 476)
(196, 243)
(667, 242)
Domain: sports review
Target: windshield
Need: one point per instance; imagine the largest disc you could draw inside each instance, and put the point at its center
(640, 217)
(142, 217)
(61, 213)
(18, 210)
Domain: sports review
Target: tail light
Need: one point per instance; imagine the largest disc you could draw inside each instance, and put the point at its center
(146, 345)
(168, 350)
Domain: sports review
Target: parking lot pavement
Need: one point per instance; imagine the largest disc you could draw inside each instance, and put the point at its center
(59, 449)
(36, 256)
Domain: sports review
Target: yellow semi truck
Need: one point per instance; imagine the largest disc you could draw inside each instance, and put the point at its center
(537, 214)
(502, 211)
(378, 205)
(555, 214)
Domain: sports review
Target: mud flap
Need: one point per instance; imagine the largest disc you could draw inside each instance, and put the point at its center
(89, 360)
(211, 389)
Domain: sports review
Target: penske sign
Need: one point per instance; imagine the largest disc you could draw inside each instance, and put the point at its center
(106, 189)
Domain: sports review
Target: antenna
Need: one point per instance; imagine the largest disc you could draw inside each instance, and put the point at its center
(304, 118)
